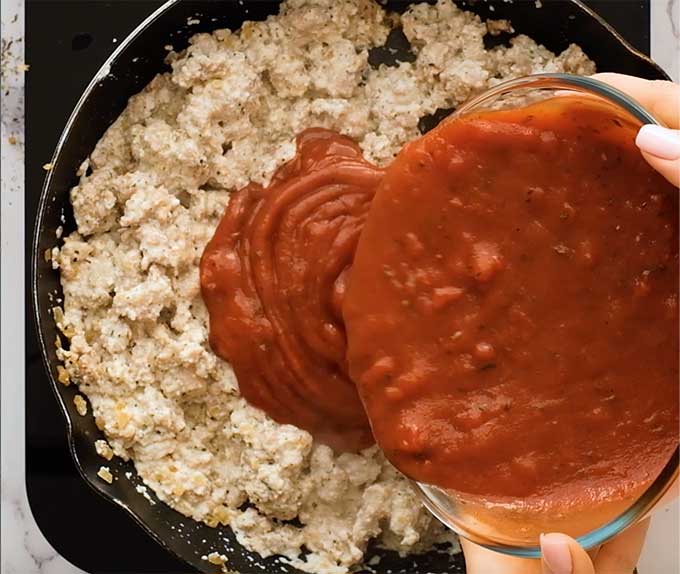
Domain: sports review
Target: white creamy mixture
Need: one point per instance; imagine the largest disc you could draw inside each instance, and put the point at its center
(150, 197)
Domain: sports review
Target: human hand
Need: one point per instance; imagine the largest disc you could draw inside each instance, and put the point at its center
(660, 146)
(563, 555)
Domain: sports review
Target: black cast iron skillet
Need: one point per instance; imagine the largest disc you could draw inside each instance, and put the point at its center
(136, 61)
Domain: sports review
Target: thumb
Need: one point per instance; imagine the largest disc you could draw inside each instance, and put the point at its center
(661, 148)
(563, 555)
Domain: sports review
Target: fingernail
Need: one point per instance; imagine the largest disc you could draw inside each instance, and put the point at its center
(556, 554)
(659, 141)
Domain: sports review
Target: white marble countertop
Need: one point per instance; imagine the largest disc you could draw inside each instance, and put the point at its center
(24, 549)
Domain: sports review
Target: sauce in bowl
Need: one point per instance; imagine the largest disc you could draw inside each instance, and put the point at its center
(512, 314)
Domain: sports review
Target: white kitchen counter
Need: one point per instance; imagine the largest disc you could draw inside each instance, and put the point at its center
(24, 549)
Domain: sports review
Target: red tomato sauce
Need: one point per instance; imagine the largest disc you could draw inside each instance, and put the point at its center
(273, 279)
(512, 313)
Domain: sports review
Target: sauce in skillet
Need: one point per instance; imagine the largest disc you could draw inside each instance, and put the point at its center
(273, 278)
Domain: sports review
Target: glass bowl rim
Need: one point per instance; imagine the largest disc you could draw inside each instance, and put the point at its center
(666, 478)
(583, 84)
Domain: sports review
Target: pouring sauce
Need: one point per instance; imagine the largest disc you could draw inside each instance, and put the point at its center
(512, 313)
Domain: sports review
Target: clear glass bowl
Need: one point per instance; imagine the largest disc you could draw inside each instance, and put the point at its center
(510, 530)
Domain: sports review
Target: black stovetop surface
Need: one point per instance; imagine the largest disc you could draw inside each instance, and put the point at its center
(66, 42)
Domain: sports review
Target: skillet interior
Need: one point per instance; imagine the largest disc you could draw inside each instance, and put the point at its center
(555, 25)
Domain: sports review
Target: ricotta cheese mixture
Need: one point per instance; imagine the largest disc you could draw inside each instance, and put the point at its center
(149, 198)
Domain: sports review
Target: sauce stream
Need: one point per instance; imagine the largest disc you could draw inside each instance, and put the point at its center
(524, 343)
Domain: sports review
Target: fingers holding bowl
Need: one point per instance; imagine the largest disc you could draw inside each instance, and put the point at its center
(660, 145)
